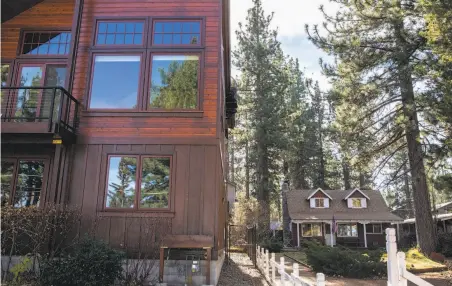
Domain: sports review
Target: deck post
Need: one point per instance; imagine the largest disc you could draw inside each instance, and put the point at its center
(298, 235)
(391, 249)
(331, 234)
(320, 279)
(296, 270)
(267, 264)
(365, 235)
(273, 263)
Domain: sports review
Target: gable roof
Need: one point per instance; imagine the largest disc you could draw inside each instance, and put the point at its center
(377, 210)
(319, 190)
(354, 191)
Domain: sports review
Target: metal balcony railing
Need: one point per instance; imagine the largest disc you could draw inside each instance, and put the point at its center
(52, 104)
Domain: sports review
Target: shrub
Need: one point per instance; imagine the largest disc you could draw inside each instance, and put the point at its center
(445, 244)
(344, 262)
(273, 244)
(92, 262)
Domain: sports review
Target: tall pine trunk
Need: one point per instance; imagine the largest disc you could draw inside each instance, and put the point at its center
(406, 188)
(423, 214)
(346, 173)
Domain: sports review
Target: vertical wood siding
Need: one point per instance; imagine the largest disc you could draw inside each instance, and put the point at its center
(49, 14)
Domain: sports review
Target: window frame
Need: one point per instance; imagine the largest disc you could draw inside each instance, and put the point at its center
(202, 32)
(136, 208)
(38, 30)
(319, 199)
(360, 203)
(148, 49)
(373, 228)
(311, 224)
(351, 232)
(45, 175)
(91, 65)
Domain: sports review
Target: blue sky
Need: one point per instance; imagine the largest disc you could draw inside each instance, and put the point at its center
(290, 19)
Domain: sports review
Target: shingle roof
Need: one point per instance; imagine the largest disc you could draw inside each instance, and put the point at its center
(376, 210)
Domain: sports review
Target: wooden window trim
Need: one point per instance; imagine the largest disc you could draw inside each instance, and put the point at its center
(11, 64)
(15, 160)
(351, 225)
(202, 32)
(91, 63)
(136, 208)
(23, 31)
(115, 47)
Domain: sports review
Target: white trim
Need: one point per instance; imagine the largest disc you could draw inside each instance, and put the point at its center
(298, 234)
(365, 235)
(355, 190)
(319, 189)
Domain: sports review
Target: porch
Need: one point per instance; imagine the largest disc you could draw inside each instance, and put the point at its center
(353, 234)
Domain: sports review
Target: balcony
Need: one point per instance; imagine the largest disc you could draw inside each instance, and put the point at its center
(49, 113)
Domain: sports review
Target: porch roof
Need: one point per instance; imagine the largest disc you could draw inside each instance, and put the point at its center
(346, 216)
(440, 217)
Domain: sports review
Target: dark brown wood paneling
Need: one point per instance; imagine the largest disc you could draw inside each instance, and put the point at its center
(49, 14)
(195, 183)
(181, 189)
(208, 209)
(117, 232)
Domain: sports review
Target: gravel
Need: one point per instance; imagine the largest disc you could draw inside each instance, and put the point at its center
(239, 271)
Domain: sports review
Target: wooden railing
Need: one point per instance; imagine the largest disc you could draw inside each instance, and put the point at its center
(397, 273)
(276, 274)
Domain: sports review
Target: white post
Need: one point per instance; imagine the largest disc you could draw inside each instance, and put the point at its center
(391, 249)
(267, 264)
(331, 233)
(365, 235)
(273, 262)
(298, 234)
(320, 279)
(281, 269)
(402, 268)
(296, 270)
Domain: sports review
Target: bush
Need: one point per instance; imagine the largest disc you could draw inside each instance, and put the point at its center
(92, 262)
(273, 244)
(445, 244)
(344, 262)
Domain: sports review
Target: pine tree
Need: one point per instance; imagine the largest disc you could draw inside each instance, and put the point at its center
(260, 59)
(378, 47)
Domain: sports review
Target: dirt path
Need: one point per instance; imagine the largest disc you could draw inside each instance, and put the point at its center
(241, 272)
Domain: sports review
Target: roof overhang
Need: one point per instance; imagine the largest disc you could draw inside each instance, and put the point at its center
(314, 192)
(354, 191)
(12, 8)
(362, 221)
(440, 217)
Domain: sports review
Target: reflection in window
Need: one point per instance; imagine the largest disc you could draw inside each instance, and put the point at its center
(319, 202)
(55, 76)
(174, 81)
(6, 181)
(121, 182)
(311, 229)
(345, 230)
(155, 183)
(5, 73)
(29, 183)
(115, 82)
(177, 32)
(46, 43)
(356, 203)
(119, 33)
(27, 99)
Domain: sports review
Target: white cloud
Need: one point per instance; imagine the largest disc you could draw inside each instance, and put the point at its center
(290, 18)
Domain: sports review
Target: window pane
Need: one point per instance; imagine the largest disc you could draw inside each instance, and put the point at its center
(174, 82)
(138, 27)
(155, 183)
(129, 39)
(7, 181)
(5, 73)
(111, 27)
(377, 228)
(177, 33)
(121, 182)
(356, 203)
(121, 28)
(120, 33)
(55, 76)
(29, 183)
(307, 230)
(342, 230)
(101, 39)
(354, 230)
(137, 39)
(102, 27)
(115, 82)
(45, 43)
(316, 230)
(27, 99)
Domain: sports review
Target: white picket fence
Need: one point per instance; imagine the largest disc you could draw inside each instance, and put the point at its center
(397, 273)
(267, 264)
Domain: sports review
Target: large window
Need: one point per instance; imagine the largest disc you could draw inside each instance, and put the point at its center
(46, 43)
(138, 182)
(374, 228)
(347, 230)
(22, 181)
(311, 229)
(130, 72)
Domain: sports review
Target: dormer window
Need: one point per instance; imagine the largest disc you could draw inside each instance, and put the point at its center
(319, 203)
(357, 199)
(356, 203)
(319, 199)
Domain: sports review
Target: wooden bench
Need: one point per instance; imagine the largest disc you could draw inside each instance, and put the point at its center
(186, 242)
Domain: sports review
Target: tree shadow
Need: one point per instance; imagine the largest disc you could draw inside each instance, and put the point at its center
(240, 273)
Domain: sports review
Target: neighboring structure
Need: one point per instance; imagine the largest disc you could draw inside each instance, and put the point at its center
(231, 196)
(442, 215)
(121, 108)
(360, 217)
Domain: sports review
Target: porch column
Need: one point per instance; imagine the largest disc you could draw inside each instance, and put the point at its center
(331, 234)
(298, 234)
(398, 231)
(444, 226)
(365, 235)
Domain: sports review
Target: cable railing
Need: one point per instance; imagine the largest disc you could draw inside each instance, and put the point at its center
(51, 104)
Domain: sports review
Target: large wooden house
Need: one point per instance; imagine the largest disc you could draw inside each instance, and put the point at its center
(122, 109)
